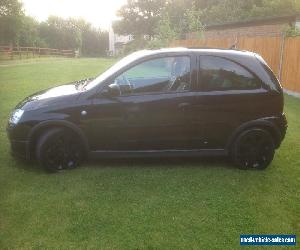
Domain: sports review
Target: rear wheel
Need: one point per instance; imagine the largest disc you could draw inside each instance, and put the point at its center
(59, 149)
(253, 149)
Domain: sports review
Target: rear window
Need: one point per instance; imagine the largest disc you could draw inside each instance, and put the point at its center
(221, 74)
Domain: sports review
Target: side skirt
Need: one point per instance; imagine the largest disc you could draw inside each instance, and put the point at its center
(158, 153)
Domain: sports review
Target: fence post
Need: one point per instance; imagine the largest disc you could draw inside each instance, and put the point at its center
(282, 46)
(238, 41)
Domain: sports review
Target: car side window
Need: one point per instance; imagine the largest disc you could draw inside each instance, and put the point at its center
(168, 74)
(220, 74)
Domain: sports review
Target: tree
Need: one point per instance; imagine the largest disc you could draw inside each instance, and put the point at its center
(75, 34)
(165, 33)
(61, 33)
(139, 17)
(142, 17)
(192, 21)
(94, 42)
(298, 5)
(236, 10)
(29, 33)
(11, 14)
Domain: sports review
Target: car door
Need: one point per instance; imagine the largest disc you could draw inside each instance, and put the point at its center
(151, 112)
(229, 94)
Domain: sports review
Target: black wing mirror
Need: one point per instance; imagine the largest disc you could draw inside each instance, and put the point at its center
(112, 90)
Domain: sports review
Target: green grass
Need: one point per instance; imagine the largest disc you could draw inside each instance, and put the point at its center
(157, 204)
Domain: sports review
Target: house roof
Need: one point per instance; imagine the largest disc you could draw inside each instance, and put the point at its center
(254, 22)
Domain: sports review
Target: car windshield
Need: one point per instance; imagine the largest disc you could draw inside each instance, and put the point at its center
(115, 68)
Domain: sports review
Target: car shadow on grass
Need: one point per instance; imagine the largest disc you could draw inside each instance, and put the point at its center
(142, 163)
(165, 162)
(26, 165)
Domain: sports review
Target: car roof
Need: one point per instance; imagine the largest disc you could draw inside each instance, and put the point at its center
(210, 51)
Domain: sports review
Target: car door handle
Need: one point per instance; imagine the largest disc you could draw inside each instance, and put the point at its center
(183, 106)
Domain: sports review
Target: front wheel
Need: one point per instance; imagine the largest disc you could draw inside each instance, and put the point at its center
(253, 149)
(59, 149)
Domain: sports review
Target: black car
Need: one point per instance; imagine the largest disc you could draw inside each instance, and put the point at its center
(168, 102)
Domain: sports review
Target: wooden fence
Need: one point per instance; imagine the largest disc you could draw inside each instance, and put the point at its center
(8, 52)
(281, 53)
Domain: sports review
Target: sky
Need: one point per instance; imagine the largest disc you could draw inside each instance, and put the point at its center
(98, 12)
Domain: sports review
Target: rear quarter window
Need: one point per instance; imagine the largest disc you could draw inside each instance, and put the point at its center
(271, 80)
(221, 74)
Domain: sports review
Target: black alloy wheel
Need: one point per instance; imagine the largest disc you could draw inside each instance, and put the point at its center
(59, 149)
(254, 149)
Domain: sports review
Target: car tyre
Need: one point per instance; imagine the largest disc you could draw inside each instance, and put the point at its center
(59, 149)
(253, 149)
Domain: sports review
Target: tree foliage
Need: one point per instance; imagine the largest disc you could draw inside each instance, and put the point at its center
(192, 15)
(152, 22)
(74, 33)
(139, 17)
(20, 30)
(29, 33)
(94, 41)
(11, 14)
(169, 28)
(61, 33)
(292, 32)
(236, 10)
(192, 21)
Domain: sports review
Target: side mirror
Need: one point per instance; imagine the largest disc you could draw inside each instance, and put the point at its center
(112, 90)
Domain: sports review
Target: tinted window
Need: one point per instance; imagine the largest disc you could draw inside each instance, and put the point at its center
(157, 75)
(217, 73)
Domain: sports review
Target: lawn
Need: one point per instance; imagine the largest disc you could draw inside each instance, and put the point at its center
(138, 204)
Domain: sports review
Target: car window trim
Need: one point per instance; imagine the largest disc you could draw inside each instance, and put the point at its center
(157, 93)
(200, 85)
(154, 58)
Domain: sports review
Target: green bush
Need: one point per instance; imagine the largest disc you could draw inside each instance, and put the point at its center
(292, 32)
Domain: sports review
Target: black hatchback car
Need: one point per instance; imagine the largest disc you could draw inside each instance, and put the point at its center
(168, 102)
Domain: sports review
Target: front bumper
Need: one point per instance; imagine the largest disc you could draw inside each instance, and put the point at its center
(19, 144)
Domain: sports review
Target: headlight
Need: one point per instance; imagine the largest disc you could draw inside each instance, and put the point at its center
(16, 116)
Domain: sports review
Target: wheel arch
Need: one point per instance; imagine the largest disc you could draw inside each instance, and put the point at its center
(263, 124)
(37, 131)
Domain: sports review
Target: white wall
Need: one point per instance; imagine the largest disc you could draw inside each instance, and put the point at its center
(115, 38)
